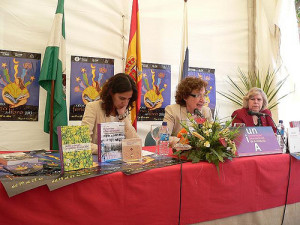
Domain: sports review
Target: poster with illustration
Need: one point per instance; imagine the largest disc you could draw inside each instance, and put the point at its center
(19, 75)
(209, 76)
(156, 91)
(88, 74)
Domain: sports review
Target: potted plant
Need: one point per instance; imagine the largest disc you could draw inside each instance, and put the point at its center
(255, 79)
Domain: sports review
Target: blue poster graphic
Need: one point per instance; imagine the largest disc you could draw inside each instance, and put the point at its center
(88, 74)
(156, 91)
(19, 75)
(209, 76)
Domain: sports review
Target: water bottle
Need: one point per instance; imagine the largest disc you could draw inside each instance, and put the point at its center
(280, 134)
(282, 128)
(163, 139)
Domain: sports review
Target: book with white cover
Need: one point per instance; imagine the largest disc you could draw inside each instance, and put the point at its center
(294, 139)
(110, 136)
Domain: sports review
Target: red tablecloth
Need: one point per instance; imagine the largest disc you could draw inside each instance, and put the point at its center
(245, 185)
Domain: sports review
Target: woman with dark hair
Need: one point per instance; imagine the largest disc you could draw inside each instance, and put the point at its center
(255, 101)
(117, 97)
(190, 98)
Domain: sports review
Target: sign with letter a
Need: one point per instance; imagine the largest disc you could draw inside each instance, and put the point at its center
(256, 141)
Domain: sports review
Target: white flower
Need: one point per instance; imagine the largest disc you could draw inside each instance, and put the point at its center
(207, 144)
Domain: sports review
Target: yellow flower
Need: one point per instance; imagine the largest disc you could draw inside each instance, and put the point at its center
(198, 136)
(207, 144)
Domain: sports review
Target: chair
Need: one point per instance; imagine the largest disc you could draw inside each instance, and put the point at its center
(149, 141)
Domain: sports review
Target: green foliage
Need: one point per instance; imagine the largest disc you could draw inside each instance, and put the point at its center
(255, 79)
(210, 141)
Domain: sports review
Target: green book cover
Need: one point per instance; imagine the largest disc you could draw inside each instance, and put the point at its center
(75, 147)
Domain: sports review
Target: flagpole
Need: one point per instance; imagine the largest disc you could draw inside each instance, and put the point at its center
(133, 66)
(51, 114)
(52, 78)
(123, 43)
(184, 61)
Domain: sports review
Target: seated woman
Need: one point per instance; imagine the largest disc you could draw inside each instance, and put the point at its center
(254, 101)
(117, 97)
(190, 95)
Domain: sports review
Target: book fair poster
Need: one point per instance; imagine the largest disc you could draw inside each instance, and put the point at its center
(88, 74)
(156, 91)
(209, 76)
(19, 75)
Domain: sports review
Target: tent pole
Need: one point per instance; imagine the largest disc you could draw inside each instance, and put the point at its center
(51, 114)
(251, 35)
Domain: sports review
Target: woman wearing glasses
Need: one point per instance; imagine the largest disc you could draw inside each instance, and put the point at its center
(190, 98)
(254, 111)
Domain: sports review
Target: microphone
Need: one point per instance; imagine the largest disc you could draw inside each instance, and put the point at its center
(265, 114)
(198, 113)
(257, 113)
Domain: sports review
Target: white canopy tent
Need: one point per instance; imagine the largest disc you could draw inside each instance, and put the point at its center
(218, 39)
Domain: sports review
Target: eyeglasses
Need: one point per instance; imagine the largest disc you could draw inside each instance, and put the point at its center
(198, 95)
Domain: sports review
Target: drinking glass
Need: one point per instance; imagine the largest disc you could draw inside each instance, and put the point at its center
(155, 135)
(238, 125)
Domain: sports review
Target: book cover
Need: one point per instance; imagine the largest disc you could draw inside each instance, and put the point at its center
(10, 159)
(110, 136)
(294, 140)
(24, 168)
(74, 147)
(132, 150)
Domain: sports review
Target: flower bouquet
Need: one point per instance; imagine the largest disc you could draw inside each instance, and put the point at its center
(208, 141)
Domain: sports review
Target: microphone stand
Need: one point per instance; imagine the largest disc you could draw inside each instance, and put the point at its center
(285, 143)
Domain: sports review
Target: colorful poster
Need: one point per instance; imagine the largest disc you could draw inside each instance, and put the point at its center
(19, 75)
(156, 91)
(88, 74)
(209, 76)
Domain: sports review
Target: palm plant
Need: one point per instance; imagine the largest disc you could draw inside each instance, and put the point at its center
(297, 5)
(255, 79)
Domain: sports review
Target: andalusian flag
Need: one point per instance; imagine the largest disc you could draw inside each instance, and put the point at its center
(54, 69)
(133, 59)
(184, 61)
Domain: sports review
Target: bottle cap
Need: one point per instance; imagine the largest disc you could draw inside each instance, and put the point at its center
(280, 121)
(164, 123)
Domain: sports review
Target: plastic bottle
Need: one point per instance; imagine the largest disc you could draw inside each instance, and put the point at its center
(163, 139)
(280, 134)
(282, 128)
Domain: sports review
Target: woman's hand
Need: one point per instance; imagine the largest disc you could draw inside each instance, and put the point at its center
(121, 111)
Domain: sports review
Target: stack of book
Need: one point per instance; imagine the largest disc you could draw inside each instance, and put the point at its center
(15, 158)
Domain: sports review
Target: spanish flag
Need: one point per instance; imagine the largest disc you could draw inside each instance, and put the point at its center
(133, 60)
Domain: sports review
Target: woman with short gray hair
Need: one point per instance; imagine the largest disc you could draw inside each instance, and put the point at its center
(254, 111)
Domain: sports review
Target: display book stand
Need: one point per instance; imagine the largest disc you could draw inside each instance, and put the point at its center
(293, 136)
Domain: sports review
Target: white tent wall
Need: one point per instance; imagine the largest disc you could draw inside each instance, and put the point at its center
(277, 46)
(218, 38)
(290, 55)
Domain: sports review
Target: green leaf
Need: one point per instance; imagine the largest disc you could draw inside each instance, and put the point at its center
(219, 157)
